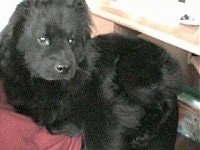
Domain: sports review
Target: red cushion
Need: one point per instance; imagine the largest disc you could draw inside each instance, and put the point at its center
(19, 132)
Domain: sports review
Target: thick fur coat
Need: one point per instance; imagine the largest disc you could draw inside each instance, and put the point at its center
(118, 92)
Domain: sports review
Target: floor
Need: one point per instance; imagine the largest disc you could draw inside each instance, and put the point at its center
(186, 144)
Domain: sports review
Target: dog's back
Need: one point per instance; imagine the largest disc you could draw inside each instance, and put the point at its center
(150, 77)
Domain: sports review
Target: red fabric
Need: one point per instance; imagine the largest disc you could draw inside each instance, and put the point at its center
(19, 132)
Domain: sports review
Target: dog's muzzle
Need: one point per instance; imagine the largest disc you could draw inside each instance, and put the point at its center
(58, 66)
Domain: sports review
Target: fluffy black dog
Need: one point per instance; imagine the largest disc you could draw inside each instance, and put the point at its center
(118, 92)
(147, 76)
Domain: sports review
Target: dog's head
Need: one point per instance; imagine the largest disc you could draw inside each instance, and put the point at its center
(47, 37)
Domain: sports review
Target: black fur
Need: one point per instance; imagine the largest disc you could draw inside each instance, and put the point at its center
(150, 78)
(119, 92)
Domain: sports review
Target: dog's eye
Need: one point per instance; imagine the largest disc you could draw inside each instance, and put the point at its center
(71, 41)
(43, 41)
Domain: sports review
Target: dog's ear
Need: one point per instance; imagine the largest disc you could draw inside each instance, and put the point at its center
(11, 33)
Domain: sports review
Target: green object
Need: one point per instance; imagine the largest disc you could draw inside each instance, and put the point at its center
(189, 100)
(195, 92)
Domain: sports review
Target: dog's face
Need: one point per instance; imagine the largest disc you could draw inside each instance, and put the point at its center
(52, 38)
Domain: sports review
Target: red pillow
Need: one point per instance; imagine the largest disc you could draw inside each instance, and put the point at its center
(19, 132)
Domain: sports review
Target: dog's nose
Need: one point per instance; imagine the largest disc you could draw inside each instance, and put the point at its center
(62, 68)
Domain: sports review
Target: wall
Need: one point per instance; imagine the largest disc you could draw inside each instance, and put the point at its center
(6, 9)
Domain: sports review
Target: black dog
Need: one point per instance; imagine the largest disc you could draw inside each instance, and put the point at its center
(120, 93)
(147, 76)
